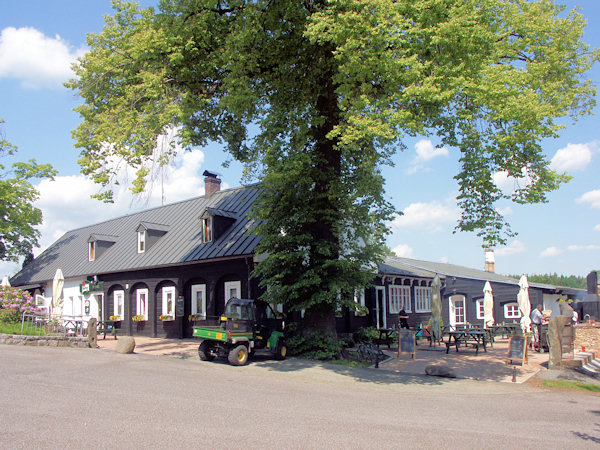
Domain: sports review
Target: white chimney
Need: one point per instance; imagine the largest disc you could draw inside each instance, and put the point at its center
(489, 260)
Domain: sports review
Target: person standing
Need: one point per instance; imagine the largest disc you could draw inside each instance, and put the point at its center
(403, 318)
(536, 322)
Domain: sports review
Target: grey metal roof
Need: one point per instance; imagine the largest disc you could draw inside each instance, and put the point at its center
(394, 265)
(181, 243)
(449, 270)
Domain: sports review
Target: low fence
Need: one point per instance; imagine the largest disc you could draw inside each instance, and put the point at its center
(45, 341)
(54, 326)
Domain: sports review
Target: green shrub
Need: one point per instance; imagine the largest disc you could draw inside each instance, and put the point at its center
(314, 346)
(13, 303)
(365, 335)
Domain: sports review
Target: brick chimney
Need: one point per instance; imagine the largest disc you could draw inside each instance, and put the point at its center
(212, 182)
(489, 260)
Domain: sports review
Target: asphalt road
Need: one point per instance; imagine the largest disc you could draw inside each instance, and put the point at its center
(81, 398)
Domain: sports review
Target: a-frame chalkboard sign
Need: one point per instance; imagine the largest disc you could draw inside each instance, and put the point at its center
(517, 350)
(406, 343)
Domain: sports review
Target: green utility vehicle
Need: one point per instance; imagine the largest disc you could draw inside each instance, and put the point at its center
(246, 326)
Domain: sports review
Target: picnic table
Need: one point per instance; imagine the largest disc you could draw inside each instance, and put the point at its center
(474, 338)
(386, 337)
(108, 327)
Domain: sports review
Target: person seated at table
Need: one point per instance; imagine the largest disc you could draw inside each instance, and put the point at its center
(403, 318)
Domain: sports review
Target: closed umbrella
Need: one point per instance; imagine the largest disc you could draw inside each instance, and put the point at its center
(524, 304)
(57, 287)
(488, 305)
(5, 281)
(436, 308)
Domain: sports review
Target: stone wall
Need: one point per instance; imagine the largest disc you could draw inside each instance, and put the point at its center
(588, 336)
(45, 341)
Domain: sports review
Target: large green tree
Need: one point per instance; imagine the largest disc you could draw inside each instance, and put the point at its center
(18, 234)
(315, 95)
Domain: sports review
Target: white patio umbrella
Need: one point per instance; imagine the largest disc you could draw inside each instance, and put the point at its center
(524, 304)
(5, 281)
(436, 308)
(488, 305)
(57, 287)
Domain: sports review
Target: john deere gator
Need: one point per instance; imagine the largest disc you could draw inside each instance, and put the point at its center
(246, 327)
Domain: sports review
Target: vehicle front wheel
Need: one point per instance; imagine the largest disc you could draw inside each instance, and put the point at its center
(204, 351)
(238, 356)
(280, 351)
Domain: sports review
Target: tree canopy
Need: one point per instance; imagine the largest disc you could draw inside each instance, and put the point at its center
(314, 97)
(18, 234)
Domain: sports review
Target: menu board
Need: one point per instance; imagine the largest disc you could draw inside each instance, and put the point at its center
(406, 343)
(517, 350)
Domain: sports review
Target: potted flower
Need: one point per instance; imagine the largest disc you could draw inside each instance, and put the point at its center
(138, 318)
(166, 317)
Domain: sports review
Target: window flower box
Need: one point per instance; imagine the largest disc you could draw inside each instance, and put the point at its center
(166, 318)
(114, 318)
(195, 317)
(138, 318)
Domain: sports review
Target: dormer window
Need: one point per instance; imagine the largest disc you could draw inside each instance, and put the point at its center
(98, 244)
(91, 250)
(141, 241)
(207, 229)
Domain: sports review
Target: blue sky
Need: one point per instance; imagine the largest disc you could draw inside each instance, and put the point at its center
(40, 38)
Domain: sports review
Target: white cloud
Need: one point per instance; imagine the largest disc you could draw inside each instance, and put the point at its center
(572, 157)
(597, 227)
(551, 252)
(591, 197)
(509, 184)
(425, 151)
(506, 211)
(66, 203)
(38, 61)
(403, 250)
(431, 215)
(444, 260)
(513, 248)
(576, 248)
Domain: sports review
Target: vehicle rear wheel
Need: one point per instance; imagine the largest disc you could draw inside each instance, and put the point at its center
(238, 356)
(204, 351)
(280, 351)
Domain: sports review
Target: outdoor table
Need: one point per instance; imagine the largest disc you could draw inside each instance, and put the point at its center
(475, 338)
(108, 326)
(386, 337)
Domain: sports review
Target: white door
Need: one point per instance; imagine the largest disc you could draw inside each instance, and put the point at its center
(380, 307)
(458, 313)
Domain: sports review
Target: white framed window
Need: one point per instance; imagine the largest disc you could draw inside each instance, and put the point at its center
(233, 289)
(359, 299)
(119, 304)
(168, 301)
(479, 307)
(422, 299)
(511, 311)
(141, 248)
(199, 300)
(207, 229)
(399, 297)
(91, 251)
(141, 297)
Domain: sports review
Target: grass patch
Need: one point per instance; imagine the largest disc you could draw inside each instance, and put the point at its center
(572, 385)
(15, 328)
(349, 363)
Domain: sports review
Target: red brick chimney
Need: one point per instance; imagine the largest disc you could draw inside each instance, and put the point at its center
(212, 182)
(489, 260)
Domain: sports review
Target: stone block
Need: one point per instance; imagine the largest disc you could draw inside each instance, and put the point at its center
(440, 370)
(125, 345)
